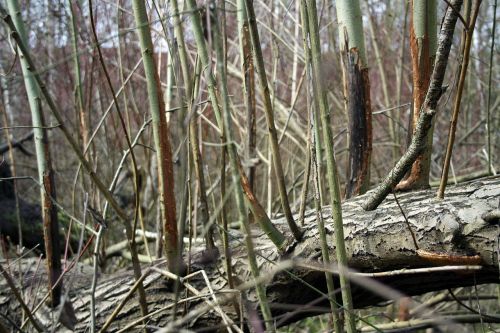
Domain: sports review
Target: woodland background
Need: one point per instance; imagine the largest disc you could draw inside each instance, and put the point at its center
(79, 77)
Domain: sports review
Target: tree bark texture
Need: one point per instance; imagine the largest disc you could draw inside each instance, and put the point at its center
(376, 241)
(360, 125)
(424, 124)
(44, 163)
(357, 96)
(423, 36)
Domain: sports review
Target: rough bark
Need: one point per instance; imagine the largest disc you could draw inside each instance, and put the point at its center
(423, 51)
(376, 241)
(357, 96)
(360, 126)
(424, 124)
(44, 162)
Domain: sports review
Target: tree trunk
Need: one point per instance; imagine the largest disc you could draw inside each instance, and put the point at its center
(357, 96)
(376, 241)
(423, 46)
(161, 139)
(44, 163)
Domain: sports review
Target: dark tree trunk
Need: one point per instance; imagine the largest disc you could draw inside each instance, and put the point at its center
(360, 125)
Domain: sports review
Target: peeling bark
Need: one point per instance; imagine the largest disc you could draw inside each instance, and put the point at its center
(357, 95)
(44, 165)
(166, 181)
(204, 216)
(423, 53)
(51, 235)
(376, 241)
(360, 125)
(249, 89)
(424, 123)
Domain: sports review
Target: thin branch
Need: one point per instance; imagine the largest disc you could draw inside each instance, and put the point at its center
(458, 98)
(457, 12)
(16, 143)
(406, 221)
(424, 123)
(19, 298)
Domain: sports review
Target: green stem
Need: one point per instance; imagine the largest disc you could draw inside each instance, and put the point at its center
(315, 147)
(45, 171)
(332, 173)
(458, 99)
(162, 143)
(268, 109)
(248, 74)
(275, 236)
(488, 105)
(225, 123)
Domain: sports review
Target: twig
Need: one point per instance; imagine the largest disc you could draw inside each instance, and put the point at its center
(471, 309)
(332, 171)
(17, 143)
(94, 278)
(457, 12)
(490, 71)
(16, 293)
(268, 108)
(13, 323)
(406, 221)
(168, 307)
(314, 147)
(213, 305)
(406, 271)
(124, 300)
(458, 99)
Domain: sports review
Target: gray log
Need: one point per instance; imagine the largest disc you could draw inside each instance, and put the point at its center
(377, 241)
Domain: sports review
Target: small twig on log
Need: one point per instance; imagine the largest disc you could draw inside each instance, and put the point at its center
(406, 220)
(406, 271)
(215, 305)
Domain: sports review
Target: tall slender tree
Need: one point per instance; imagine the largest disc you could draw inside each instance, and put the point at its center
(357, 95)
(193, 127)
(224, 121)
(313, 60)
(466, 46)
(45, 171)
(162, 142)
(268, 109)
(331, 164)
(247, 67)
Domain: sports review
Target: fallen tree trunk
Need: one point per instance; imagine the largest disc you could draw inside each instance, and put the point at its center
(460, 230)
